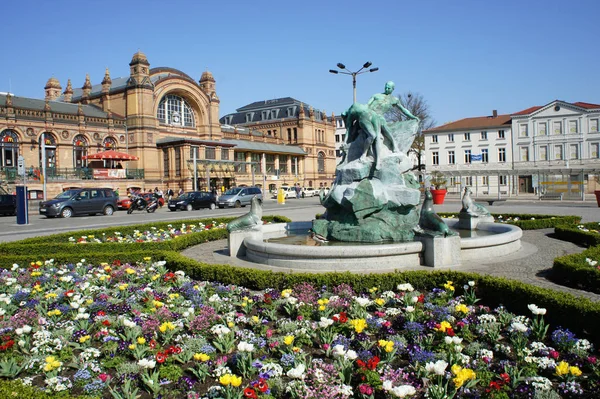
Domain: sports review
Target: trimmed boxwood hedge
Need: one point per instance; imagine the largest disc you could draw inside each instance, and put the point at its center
(574, 234)
(528, 221)
(574, 271)
(562, 308)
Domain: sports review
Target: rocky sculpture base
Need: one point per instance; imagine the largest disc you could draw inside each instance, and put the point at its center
(371, 207)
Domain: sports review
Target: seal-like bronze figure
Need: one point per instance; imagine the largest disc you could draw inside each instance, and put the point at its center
(251, 220)
(472, 208)
(430, 222)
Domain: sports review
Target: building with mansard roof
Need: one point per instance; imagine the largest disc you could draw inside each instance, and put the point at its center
(166, 119)
(289, 122)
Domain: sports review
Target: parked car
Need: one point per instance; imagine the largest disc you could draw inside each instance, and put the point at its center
(193, 200)
(239, 196)
(81, 201)
(123, 203)
(8, 202)
(309, 192)
(288, 191)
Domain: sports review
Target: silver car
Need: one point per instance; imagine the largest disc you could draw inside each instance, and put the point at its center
(239, 196)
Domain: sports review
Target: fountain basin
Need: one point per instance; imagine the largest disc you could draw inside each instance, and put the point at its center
(504, 240)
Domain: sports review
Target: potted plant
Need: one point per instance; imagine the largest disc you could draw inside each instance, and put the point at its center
(438, 190)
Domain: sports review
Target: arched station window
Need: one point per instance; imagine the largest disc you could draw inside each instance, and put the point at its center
(9, 148)
(80, 149)
(109, 143)
(50, 145)
(175, 110)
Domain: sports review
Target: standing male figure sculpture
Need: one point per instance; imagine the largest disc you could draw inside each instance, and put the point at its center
(370, 118)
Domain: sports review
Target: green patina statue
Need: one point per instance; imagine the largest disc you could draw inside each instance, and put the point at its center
(429, 222)
(370, 120)
(250, 221)
(375, 195)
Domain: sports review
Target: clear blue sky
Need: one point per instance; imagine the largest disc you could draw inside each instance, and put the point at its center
(465, 57)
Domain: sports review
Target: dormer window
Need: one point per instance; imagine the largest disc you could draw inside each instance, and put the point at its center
(265, 115)
(291, 111)
(274, 113)
(249, 116)
(174, 110)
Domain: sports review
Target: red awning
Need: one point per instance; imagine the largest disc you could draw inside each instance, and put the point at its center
(112, 155)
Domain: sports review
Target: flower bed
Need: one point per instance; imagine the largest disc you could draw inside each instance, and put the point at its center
(527, 221)
(153, 234)
(587, 234)
(123, 329)
(150, 237)
(580, 271)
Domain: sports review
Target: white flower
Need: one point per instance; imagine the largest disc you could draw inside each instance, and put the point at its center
(362, 301)
(535, 310)
(387, 385)
(220, 330)
(520, 327)
(128, 323)
(325, 322)
(346, 390)
(410, 309)
(438, 368)
(338, 351)
(403, 391)
(292, 300)
(297, 372)
(351, 355)
(245, 347)
(147, 363)
(471, 283)
(405, 287)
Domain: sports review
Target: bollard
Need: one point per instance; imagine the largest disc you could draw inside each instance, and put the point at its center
(281, 197)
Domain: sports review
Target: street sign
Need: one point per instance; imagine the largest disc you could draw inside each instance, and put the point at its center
(21, 165)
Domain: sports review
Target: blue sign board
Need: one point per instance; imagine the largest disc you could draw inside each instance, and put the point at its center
(475, 157)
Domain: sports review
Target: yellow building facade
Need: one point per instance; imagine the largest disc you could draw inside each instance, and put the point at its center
(170, 122)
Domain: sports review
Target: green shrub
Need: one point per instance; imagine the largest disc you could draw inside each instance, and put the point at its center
(578, 236)
(574, 271)
(527, 221)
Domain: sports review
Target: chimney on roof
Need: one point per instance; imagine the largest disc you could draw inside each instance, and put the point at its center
(494, 113)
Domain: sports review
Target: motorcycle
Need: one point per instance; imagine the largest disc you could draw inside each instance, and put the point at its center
(137, 203)
(151, 207)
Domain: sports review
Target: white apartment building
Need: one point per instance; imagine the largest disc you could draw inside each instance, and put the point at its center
(340, 137)
(556, 148)
(551, 150)
(475, 152)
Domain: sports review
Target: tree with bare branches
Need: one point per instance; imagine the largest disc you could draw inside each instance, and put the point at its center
(418, 106)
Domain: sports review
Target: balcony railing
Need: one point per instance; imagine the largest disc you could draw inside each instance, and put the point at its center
(10, 175)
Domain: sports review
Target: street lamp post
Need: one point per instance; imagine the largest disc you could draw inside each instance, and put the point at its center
(345, 71)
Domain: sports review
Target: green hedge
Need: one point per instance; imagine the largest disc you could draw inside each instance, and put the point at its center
(574, 271)
(576, 235)
(528, 221)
